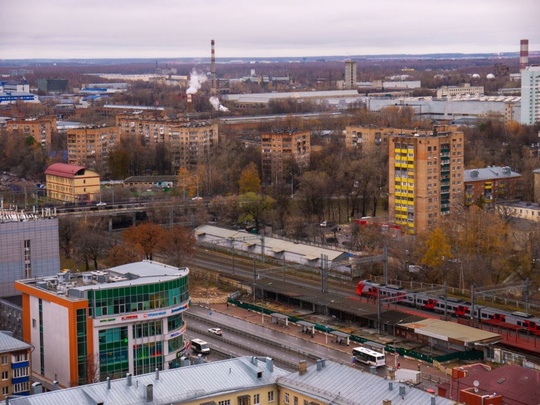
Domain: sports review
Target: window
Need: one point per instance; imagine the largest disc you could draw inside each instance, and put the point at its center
(20, 372)
(256, 399)
(286, 397)
(270, 396)
(22, 387)
(5, 390)
(34, 323)
(295, 400)
(4, 359)
(5, 375)
(225, 402)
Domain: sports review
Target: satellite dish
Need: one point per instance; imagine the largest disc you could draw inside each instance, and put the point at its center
(476, 384)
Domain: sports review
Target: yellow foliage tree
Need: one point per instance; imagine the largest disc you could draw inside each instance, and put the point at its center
(250, 182)
(438, 251)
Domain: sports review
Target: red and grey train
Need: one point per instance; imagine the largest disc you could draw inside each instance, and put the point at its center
(454, 307)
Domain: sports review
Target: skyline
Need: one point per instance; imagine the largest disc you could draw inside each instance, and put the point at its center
(61, 29)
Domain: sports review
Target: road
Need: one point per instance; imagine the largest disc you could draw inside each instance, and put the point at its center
(251, 337)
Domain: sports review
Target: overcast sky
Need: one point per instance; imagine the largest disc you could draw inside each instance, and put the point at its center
(178, 28)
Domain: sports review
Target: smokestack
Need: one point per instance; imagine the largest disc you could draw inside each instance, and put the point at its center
(523, 54)
(213, 68)
(189, 105)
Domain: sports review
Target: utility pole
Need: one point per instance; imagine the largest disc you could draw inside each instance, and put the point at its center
(445, 299)
(254, 280)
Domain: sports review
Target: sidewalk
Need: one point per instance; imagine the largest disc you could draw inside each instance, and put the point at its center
(429, 372)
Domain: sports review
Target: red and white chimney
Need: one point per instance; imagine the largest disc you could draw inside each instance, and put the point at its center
(524, 54)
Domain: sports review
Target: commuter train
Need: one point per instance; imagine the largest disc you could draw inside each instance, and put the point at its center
(454, 307)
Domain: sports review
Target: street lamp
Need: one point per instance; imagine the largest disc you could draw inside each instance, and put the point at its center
(326, 327)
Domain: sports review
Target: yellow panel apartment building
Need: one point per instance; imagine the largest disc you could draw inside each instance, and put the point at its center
(425, 177)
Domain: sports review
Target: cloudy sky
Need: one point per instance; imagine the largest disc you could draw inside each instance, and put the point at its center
(178, 28)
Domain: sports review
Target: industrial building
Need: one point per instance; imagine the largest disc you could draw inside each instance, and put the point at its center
(88, 326)
(29, 247)
(425, 178)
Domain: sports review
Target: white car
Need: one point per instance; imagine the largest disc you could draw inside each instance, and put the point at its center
(101, 204)
(216, 331)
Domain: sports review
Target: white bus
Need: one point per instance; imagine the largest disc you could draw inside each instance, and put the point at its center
(369, 356)
(200, 346)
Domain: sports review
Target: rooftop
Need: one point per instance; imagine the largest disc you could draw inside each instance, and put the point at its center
(170, 386)
(74, 285)
(9, 344)
(336, 383)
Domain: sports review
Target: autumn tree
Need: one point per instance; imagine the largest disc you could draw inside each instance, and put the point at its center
(178, 245)
(91, 245)
(249, 182)
(147, 237)
(253, 207)
(437, 252)
(123, 254)
(68, 227)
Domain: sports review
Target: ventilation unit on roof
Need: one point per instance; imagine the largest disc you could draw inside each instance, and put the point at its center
(87, 278)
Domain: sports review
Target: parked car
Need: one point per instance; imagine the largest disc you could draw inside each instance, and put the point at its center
(216, 331)
(101, 204)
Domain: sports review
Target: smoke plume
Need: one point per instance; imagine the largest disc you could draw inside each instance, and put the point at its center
(196, 79)
(217, 105)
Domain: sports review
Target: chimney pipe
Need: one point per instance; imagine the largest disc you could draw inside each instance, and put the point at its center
(55, 385)
(128, 379)
(157, 373)
(108, 383)
(523, 54)
(213, 67)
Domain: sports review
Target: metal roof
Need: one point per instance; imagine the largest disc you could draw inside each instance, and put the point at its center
(489, 173)
(450, 331)
(179, 385)
(10, 344)
(339, 384)
(275, 245)
(64, 170)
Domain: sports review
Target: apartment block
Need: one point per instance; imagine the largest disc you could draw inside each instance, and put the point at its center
(350, 75)
(425, 178)
(90, 146)
(14, 366)
(279, 149)
(367, 137)
(40, 129)
(530, 95)
(71, 183)
(491, 184)
(88, 326)
(190, 142)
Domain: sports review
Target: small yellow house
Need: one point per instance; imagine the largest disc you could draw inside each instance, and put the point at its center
(71, 183)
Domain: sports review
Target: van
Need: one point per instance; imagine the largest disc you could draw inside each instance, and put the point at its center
(200, 346)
